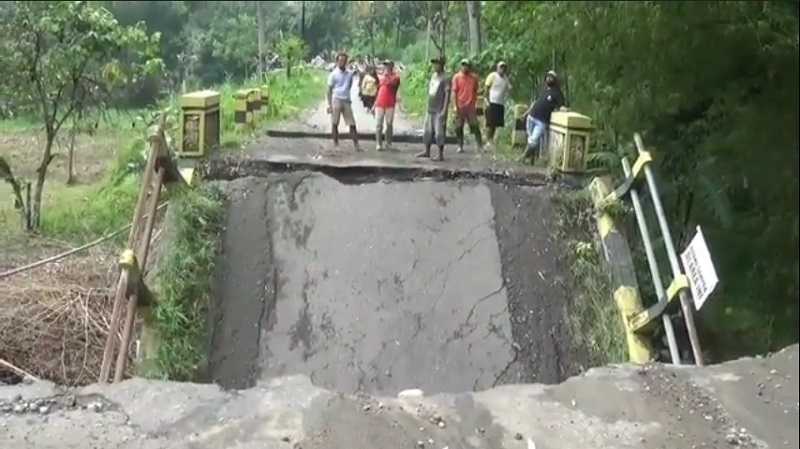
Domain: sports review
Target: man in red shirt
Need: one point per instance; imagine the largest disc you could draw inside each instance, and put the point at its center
(465, 96)
(388, 85)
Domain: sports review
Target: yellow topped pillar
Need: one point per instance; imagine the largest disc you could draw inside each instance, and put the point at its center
(568, 141)
(200, 123)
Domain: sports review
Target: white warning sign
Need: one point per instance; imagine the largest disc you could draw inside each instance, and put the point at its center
(699, 269)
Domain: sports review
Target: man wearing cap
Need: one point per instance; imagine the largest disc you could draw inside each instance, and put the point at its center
(498, 85)
(388, 85)
(436, 116)
(465, 95)
(538, 115)
(340, 82)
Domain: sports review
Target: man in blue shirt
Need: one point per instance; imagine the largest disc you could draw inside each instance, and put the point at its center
(340, 82)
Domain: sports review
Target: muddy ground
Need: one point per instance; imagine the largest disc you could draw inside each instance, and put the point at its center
(377, 287)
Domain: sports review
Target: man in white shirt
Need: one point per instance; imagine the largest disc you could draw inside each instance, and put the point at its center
(499, 86)
(340, 82)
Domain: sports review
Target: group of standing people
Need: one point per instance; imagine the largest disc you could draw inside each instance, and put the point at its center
(378, 92)
(464, 87)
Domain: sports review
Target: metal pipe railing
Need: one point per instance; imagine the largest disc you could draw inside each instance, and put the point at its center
(686, 304)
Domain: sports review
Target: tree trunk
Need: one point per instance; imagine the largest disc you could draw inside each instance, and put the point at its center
(397, 34)
(260, 20)
(564, 75)
(41, 174)
(372, 29)
(474, 15)
(20, 203)
(428, 40)
(445, 8)
(303, 20)
(27, 221)
(71, 154)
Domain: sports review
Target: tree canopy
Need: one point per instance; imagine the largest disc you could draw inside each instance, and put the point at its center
(67, 57)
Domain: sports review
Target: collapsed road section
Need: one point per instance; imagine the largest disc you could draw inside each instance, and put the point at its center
(380, 286)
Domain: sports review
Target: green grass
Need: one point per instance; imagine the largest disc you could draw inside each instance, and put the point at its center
(288, 97)
(85, 212)
(182, 283)
(595, 322)
(21, 123)
(414, 95)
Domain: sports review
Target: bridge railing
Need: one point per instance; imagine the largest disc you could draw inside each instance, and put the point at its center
(130, 288)
(639, 179)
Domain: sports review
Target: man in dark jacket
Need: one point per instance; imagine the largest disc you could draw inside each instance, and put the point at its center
(538, 115)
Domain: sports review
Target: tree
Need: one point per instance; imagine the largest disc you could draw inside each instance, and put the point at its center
(261, 45)
(65, 58)
(303, 20)
(438, 26)
(474, 13)
(291, 50)
(234, 50)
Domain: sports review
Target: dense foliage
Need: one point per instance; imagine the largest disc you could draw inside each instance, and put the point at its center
(714, 88)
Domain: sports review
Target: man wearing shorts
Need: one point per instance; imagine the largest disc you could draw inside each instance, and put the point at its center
(436, 117)
(340, 81)
(499, 86)
(465, 95)
(384, 105)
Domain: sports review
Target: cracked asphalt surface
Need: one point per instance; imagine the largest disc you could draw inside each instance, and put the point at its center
(384, 286)
(375, 273)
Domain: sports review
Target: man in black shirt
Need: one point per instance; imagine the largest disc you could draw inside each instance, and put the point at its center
(538, 115)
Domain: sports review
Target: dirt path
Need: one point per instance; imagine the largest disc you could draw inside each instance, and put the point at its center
(318, 119)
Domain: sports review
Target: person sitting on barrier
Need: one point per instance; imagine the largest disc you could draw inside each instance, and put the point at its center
(538, 116)
(340, 82)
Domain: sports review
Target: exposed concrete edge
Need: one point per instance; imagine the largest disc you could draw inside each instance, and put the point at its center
(399, 138)
(228, 168)
(617, 406)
